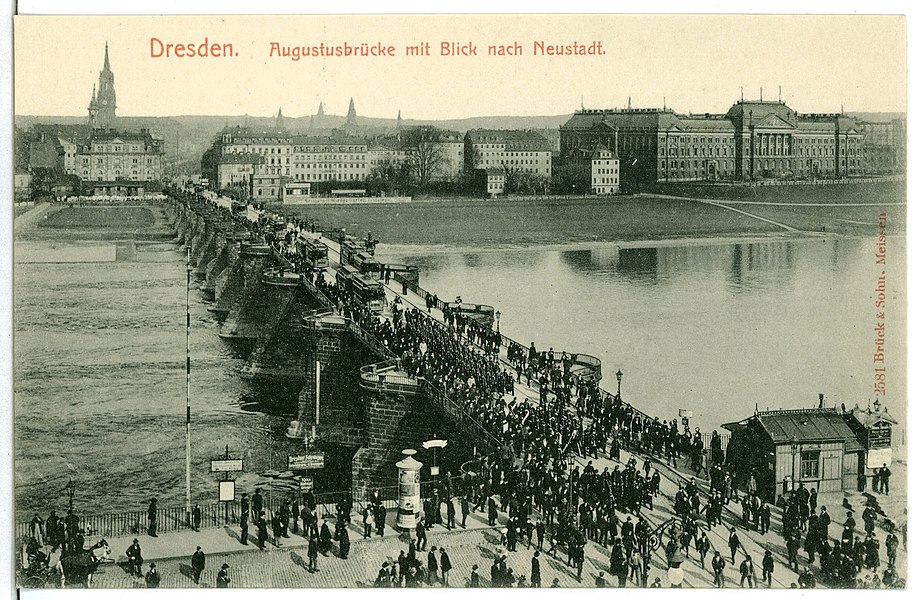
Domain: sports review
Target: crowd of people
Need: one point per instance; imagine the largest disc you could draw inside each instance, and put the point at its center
(551, 505)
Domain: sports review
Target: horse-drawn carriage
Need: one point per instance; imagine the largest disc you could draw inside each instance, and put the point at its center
(61, 568)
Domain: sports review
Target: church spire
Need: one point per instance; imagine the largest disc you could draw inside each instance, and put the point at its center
(398, 123)
(279, 121)
(350, 123)
(107, 66)
(321, 110)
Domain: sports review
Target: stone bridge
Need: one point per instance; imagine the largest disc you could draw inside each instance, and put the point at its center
(350, 391)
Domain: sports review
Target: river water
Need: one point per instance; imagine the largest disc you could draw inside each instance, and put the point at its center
(716, 328)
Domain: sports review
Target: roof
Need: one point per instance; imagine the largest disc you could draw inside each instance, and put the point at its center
(868, 418)
(637, 118)
(749, 110)
(495, 171)
(805, 425)
(316, 140)
(514, 139)
(240, 158)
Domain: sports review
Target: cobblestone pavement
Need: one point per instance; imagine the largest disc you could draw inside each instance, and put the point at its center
(286, 566)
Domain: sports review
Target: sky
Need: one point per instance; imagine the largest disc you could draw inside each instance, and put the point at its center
(690, 63)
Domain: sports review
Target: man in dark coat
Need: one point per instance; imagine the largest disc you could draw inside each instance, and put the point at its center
(450, 514)
(261, 524)
(134, 559)
(491, 511)
(421, 532)
(197, 564)
(151, 516)
(243, 522)
(344, 543)
(445, 565)
(324, 538)
(196, 517)
(734, 543)
(495, 580)
(432, 566)
(465, 510)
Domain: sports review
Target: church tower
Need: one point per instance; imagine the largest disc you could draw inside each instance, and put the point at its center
(350, 123)
(103, 103)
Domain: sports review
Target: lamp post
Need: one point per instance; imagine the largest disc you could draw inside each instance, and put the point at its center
(619, 375)
(497, 314)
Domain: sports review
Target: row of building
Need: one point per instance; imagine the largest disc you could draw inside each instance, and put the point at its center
(261, 162)
(601, 150)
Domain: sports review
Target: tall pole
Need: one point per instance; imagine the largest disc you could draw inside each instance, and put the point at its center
(188, 384)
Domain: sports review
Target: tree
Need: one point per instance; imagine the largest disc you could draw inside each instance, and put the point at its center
(424, 152)
(42, 180)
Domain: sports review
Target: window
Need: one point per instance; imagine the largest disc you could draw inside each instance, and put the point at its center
(809, 464)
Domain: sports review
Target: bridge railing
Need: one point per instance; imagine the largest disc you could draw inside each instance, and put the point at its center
(383, 376)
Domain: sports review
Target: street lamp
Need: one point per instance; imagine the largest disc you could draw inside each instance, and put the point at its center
(619, 375)
(498, 321)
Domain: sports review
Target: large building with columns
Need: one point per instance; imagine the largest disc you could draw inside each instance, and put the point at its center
(752, 140)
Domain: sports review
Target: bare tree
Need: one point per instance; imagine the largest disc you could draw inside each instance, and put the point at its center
(425, 154)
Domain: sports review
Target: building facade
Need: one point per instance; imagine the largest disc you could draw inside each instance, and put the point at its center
(112, 155)
(785, 449)
(752, 140)
(606, 172)
(516, 151)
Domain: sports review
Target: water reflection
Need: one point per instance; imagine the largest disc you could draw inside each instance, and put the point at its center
(715, 327)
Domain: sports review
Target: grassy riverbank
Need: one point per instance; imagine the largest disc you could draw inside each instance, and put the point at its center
(546, 221)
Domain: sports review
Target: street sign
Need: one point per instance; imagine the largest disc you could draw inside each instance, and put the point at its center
(225, 465)
(306, 484)
(434, 444)
(313, 460)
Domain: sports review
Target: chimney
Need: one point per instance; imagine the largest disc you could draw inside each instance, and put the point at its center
(821, 401)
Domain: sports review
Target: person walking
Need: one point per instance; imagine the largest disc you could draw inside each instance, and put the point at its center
(151, 517)
(719, 566)
(465, 510)
(747, 571)
(536, 570)
(421, 533)
(445, 565)
(767, 568)
(367, 522)
(734, 543)
(134, 559)
(198, 561)
(702, 545)
(223, 576)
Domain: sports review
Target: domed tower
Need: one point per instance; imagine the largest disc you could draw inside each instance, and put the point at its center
(103, 103)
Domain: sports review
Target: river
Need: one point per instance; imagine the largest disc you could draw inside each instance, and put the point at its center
(716, 328)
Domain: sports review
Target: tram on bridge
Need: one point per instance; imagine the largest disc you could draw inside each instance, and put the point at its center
(313, 252)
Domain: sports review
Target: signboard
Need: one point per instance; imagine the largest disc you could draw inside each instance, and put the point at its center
(876, 457)
(434, 470)
(313, 460)
(435, 444)
(226, 465)
(306, 484)
(880, 437)
(227, 491)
